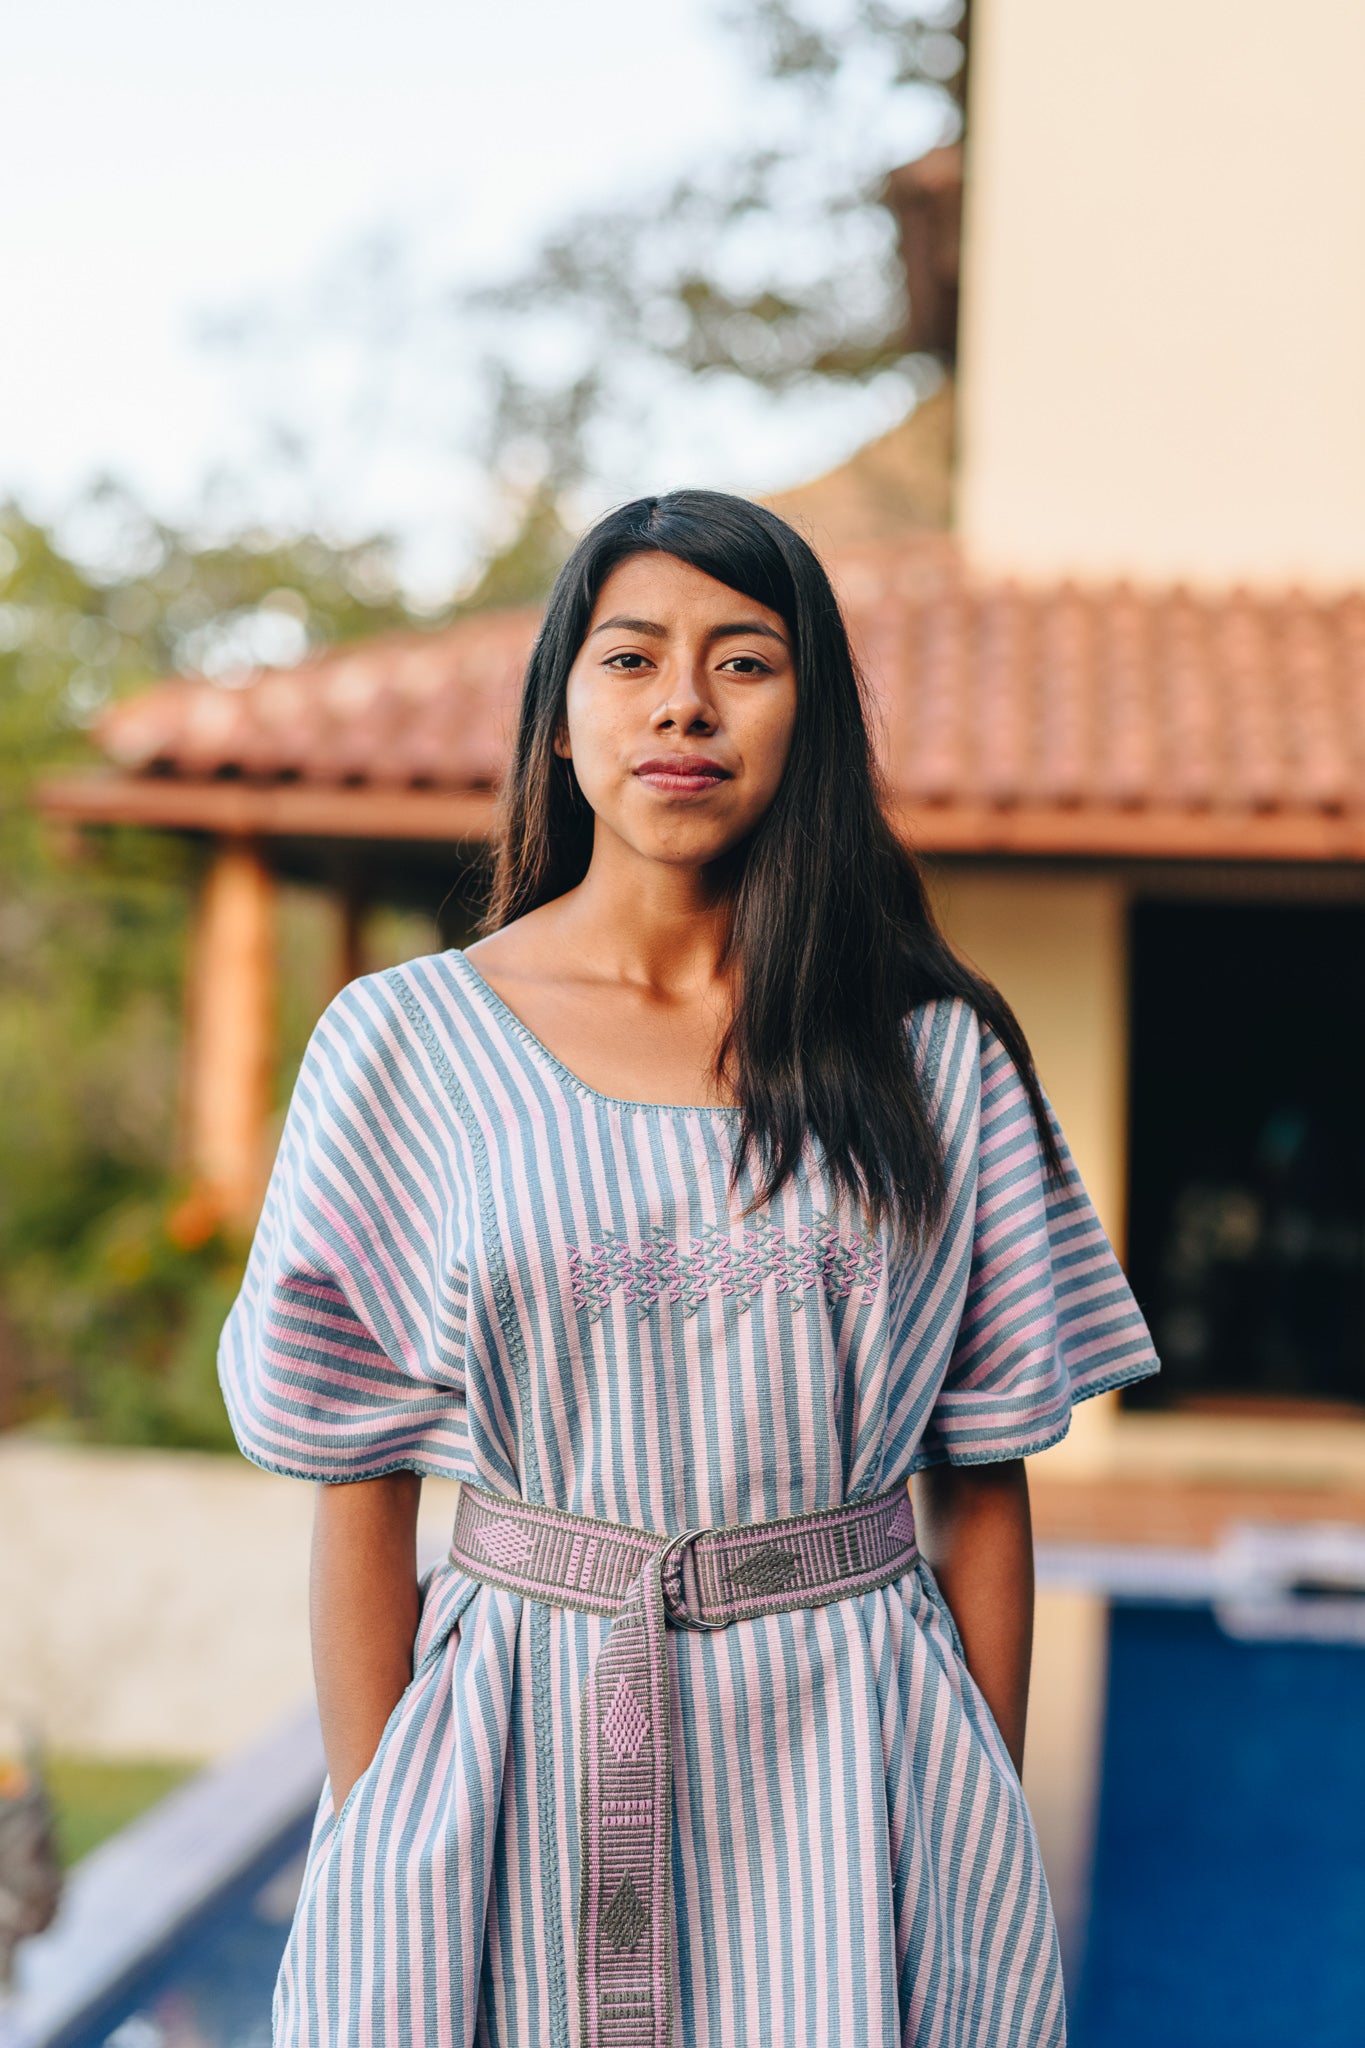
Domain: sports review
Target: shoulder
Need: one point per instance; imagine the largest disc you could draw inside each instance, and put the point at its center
(422, 1025)
(372, 1028)
(968, 1076)
(976, 1090)
(360, 1020)
(388, 1003)
(945, 1041)
(945, 1033)
(376, 1079)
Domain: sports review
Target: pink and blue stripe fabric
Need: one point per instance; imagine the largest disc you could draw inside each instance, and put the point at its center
(471, 1264)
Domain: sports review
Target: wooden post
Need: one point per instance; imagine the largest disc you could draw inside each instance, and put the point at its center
(231, 1034)
(351, 908)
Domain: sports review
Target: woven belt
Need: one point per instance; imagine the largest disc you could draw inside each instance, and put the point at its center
(638, 1578)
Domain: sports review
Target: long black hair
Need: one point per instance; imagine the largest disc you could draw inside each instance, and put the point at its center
(831, 935)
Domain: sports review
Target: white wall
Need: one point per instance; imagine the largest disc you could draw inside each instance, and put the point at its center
(1164, 291)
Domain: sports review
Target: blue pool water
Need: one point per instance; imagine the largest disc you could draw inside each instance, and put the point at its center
(213, 1988)
(1228, 1887)
(1228, 1890)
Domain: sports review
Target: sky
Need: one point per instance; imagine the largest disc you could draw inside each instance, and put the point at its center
(165, 166)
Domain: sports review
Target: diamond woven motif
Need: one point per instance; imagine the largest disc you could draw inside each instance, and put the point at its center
(767, 1571)
(902, 1522)
(506, 1544)
(737, 1265)
(626, 1916)
(625, 1724)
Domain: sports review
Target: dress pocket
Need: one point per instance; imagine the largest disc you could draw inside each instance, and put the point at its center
(934, 1594)
(979, 1704)
(437, 1635)
(389, 1728)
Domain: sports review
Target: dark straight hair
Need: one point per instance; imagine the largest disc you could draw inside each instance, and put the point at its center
(831, 935)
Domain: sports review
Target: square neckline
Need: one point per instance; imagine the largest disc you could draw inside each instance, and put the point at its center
(506, 1015)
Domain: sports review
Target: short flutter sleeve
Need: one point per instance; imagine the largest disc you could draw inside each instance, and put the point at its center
(343, 1355)
(1048, 1317)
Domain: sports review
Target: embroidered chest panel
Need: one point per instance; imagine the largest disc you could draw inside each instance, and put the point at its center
(737, 1264)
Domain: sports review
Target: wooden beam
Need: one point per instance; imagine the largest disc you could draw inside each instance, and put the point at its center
(1090, 831)
(352, 905)
(1065, 831)
(229, 1060)
(277, 810)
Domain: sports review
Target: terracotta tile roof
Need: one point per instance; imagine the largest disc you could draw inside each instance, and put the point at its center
(1066, 720)
(414, 710)
(1112, 699)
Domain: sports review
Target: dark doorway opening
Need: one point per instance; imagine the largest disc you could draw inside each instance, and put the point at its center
(1247, 1189)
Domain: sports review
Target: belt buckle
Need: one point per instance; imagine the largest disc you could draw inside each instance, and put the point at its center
(679, 1615)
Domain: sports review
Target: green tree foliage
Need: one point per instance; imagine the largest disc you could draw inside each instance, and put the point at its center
(109, 1310)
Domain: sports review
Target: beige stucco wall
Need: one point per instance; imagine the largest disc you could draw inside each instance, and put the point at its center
(1164, 290)
(1057, 946)
(155, 1603)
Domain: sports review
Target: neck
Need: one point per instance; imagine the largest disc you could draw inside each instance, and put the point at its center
(655, 925)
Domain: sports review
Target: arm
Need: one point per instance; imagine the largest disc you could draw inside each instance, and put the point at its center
(974, 1529)
(364, 1611)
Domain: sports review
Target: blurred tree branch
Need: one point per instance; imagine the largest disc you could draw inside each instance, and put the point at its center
(773, 266)
(777, 265)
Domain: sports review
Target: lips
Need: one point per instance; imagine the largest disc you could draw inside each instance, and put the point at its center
(682, 774)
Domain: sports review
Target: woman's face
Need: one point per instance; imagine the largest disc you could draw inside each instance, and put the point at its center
(679, 711)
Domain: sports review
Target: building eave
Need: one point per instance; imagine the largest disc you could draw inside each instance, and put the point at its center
(1090, 832)
(235, 807)
(281, 810)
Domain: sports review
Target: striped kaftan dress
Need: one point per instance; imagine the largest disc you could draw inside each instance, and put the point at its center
(472, 1264)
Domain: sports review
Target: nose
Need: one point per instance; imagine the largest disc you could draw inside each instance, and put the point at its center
(685, 704)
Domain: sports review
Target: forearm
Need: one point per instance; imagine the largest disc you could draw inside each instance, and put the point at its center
(975, 1531)
(364, 1611)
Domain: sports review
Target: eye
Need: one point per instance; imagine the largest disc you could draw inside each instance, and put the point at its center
(747, 665)
(629, 662)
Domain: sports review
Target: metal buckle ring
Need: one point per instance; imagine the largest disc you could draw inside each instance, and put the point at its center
(680, 1615)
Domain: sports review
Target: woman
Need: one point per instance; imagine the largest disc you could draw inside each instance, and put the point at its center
(708, 1192)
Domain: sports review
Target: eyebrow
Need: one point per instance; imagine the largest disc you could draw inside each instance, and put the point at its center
(740, 629)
